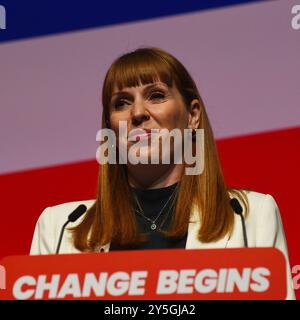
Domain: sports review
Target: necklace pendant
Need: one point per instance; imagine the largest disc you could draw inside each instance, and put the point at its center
(153, 226)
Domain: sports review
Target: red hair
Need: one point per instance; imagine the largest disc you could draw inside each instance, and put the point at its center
(112, 216)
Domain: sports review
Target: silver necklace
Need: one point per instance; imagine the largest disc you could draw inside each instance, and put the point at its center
(164, 220)
(153, 222)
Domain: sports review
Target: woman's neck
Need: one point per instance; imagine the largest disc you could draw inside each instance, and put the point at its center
(154, 176)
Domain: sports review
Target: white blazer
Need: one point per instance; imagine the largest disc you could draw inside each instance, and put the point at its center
(263, 225)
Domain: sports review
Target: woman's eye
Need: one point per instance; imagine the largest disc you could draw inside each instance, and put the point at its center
(120, 104)
(157, 95)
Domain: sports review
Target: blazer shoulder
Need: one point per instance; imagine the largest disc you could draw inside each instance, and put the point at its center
(263, 220)
(258, 203)
(263, 214)
(58, 214)
(262, 205)
(49, 225)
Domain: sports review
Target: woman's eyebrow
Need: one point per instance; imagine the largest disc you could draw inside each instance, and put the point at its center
(157, 85)
(146, 88)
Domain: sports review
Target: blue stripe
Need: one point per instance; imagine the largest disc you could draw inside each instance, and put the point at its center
(32, 18)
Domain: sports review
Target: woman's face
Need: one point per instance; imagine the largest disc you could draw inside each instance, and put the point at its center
(150, 106)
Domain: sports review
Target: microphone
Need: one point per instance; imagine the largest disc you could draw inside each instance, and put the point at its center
(73, 216)
(237, 208)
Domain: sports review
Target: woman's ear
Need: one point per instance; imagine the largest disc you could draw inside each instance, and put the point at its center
(194, 114)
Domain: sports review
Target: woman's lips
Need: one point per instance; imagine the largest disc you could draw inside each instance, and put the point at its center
(143, 136)
(139, 134)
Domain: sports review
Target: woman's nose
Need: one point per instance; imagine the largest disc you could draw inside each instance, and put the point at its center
(139, 113)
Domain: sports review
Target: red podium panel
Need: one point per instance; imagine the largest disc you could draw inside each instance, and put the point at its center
(175, 274)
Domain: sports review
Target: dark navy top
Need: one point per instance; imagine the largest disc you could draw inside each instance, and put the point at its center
(152, 201)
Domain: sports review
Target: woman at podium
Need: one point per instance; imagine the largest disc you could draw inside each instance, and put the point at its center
(166, 201)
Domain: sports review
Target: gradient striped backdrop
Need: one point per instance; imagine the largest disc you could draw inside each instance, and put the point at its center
(244, 56)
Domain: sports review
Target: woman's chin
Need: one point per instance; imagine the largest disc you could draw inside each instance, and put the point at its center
(146, 155)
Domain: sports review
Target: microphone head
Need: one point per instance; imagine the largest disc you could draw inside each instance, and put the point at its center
(78, 212)
(237, 208)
